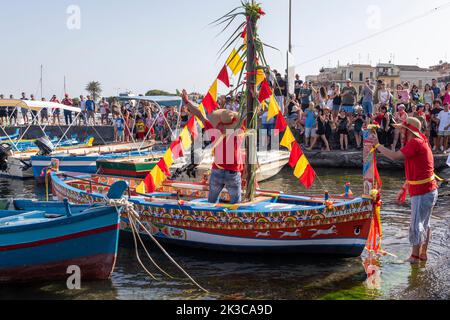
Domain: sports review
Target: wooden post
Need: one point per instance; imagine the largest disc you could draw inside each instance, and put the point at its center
(251, 146)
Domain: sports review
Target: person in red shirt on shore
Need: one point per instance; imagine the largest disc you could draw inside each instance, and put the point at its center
(420, 183)
(227, 140)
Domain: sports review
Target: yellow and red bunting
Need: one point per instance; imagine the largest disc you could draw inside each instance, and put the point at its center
(260, 77)
(280, 124)
(234, 62)
(288, 139)
(177, 150)
(192, 127)
(186, 139)
(210, 100)
(274, 109)
(265, 92)
(224, 77)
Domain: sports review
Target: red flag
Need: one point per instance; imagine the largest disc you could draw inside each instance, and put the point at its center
(296, 154)
(308, 177)
(192, 126)
(163, 166)
(281, 124)
(244, 33)
(265, 92)
(177, 149)
(149, 184)
(376, 174)
(223, 76)
(209, 103)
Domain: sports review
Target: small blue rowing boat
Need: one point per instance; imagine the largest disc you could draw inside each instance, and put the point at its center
(42, 243)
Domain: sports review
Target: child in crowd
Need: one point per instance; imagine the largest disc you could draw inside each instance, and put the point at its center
(343, 123)
(310, 123)
(323, 126)
(399, 117)
(437, 108)
(140, 129)
(444, 128)
(358, 121)
(119, 128)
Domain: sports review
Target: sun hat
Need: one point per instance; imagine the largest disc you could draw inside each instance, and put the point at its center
(401, 106)
(413, 125)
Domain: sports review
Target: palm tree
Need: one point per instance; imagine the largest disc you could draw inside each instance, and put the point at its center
(94, 88)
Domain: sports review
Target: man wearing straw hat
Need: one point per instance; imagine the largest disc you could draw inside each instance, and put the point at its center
(225, 131)
(421, 183)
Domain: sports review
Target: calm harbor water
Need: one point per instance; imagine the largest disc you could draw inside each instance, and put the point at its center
(230, 276)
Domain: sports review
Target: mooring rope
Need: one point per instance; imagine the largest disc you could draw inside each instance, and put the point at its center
(133, 217)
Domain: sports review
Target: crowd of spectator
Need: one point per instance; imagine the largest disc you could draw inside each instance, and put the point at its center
(320, 113)
(317, 114)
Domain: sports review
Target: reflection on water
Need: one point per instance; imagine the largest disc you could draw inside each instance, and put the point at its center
(232, 276)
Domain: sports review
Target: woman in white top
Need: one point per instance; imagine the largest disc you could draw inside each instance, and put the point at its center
(384, 96)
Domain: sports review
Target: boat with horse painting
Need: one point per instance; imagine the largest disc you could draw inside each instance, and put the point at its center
(187, 213)
(41, 240)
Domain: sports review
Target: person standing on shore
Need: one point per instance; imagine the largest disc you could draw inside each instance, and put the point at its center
(349, 97)
(34, 113)
(83, 115)
(444, 128)
(12, 113)
(56, 111)
(436, 90)
(67, 113)
(90, 110)
(24, 111)
(44, 114)
(104, 111)
(305, 96)
(367, 101)
(421, 184)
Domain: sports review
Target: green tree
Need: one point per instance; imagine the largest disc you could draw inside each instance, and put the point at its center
(95, 89)
(157, 92)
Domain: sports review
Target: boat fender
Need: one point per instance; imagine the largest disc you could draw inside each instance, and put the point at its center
(68, 209)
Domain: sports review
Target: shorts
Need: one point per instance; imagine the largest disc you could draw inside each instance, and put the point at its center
(3, 113)
(444, 133)
(349, 109)
(221, 179)
(310, 132)
(120, 134)
(421, 209)
(368, 107)
(336, 108)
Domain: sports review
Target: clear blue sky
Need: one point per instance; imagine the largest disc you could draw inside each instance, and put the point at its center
(142, 44)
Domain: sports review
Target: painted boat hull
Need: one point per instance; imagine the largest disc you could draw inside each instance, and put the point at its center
(342, 231)
(45, 251)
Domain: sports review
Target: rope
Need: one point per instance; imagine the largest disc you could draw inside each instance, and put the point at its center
(133, 217)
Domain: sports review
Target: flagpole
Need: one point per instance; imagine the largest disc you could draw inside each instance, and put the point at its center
(251, 102)
(289, 50)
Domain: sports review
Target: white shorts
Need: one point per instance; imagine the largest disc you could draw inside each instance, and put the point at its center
(444, 133)
(310, 132)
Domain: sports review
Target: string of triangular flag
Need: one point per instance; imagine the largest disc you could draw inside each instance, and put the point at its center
(161, 172)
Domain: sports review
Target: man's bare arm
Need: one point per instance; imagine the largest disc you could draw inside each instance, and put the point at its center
(193, 107)
(393, 155)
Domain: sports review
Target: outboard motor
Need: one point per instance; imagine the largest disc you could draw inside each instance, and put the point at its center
(45, 146)
(5, 152)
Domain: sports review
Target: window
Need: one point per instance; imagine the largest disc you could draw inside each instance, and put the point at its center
(371, 75)
(351, 75)
(361, 76)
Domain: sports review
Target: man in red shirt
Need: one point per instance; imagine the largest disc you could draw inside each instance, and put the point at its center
(420, 183)
(227, 139)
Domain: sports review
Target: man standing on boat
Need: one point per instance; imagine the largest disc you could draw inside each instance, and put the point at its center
(421, 184)
(227, 139)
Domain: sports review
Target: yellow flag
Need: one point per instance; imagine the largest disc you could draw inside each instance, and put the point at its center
(288, 139)
(186, 139)
(158, 176)
(168, 158)
(301, 166)
(260, 76)
(141, 188)
(213, 91)
(235, 62)
(274, 109)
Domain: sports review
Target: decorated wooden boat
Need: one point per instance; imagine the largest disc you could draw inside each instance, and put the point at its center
(265, 221)
(41, 243)
(274, 222)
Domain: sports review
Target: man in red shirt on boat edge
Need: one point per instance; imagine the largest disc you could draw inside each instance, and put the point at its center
(227, 141)
(420, 183)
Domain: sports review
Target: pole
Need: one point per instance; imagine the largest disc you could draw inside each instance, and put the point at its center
(42, 95)
(251, 105)
(289, 50)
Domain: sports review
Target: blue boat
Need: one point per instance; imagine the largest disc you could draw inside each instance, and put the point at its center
(42, 243)
(12, 137)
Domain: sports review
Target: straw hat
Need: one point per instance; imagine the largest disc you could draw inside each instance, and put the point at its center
(412, 124)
